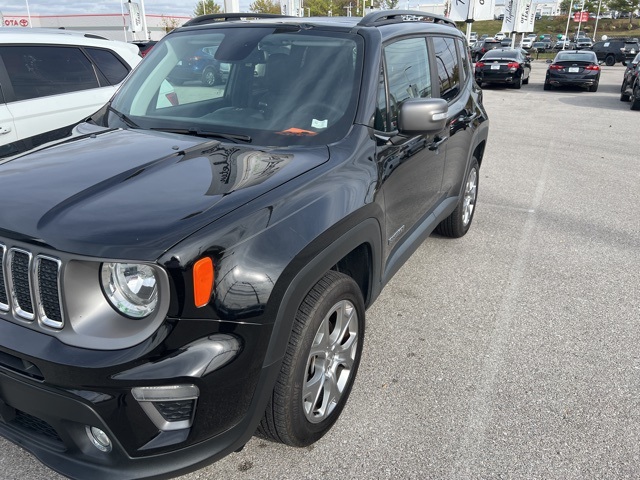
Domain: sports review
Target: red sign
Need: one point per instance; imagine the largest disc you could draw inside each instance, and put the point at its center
(13, 22)
(581, 16)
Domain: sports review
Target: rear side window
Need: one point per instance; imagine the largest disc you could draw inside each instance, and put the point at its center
(448, 67)
(39, 71)
(408, 74)
(110, 65)
(464, 59)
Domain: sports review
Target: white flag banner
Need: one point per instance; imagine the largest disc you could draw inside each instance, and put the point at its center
(526, 17)
(459, 10)
(484, 9)
(510, 7)
(135, 17)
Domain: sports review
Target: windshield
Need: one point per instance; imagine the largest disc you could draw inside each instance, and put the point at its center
(265, 85)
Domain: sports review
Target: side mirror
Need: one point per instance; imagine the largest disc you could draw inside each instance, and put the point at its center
(423, 115)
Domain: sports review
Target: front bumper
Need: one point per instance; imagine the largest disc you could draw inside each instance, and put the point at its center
(46, 407)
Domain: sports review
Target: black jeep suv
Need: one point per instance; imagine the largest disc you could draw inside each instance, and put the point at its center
(615, 50)
(177, 276)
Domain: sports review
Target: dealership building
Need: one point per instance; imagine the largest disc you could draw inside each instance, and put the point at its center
(115, 26)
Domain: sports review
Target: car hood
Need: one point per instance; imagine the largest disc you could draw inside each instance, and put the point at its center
(132, 194)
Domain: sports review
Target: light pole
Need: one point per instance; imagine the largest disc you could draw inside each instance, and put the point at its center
(28, 13)
(144, 21)
(566, 32)
(595, 29)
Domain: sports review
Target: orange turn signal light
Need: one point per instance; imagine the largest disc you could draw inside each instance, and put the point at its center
(202, 281)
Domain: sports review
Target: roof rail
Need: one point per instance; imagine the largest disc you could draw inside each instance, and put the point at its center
(225, 17)
(397, 16)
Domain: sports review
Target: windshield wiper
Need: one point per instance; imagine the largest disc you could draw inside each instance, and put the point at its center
(126, 120)
(233, 137)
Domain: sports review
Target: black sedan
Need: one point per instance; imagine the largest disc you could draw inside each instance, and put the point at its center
(511, 66)
(630, 88)
(574, 67)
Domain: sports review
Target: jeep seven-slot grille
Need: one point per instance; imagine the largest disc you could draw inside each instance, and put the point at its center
(29, 285)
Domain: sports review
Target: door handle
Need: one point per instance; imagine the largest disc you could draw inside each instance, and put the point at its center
(4, 130)
(437, 142)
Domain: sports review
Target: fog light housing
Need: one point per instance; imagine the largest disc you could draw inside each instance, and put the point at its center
(169, 407)
(99, 438)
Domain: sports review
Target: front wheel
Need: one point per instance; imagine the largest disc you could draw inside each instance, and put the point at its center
(635, 97)
(209, 77)
(320, 364)
(457, 224)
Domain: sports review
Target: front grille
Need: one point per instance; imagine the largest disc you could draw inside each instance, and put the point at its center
(38, 427)
(20, 262)
(4, 301)
(30, 286)
(177, 411)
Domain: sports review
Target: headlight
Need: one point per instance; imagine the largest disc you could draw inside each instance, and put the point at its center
(131, 288)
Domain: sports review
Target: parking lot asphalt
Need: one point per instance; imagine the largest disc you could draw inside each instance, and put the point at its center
(511, 353)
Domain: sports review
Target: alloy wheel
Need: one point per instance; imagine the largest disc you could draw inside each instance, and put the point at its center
(331, 360)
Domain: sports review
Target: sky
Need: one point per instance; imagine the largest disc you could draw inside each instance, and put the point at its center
(70, 7)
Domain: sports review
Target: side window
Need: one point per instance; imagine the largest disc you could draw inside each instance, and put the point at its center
(39, 71)
(380, 121)
(110, 65)
(448, 67)
(464, 59)
(408, 74)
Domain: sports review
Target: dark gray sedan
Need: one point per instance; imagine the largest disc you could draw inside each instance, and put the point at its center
(573, 67)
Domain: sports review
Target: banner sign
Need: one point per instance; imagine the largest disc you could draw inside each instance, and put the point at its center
(513, 9)
(526, 18)
(135, 17)
(581, 17)
(461, 10)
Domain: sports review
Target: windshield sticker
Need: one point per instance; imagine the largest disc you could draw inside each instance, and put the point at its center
(299, 132)
(319, 123)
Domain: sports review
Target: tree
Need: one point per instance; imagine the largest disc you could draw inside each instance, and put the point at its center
(265, 6)
(207, 7)
(625, 6)
(169, 23)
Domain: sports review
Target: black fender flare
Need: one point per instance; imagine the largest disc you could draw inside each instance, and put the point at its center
(369, 232)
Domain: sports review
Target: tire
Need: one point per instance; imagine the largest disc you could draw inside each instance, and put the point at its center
(320, 364)
(594, 87)
(624, 97)
(526, 80)
(547, 86)
(610, 60)
(518, 84)
(635, 97)
(457, 224)
(209, 77)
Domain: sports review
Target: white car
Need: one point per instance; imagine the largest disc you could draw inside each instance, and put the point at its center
(52, 79)
(527, 42)
(500, 36)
